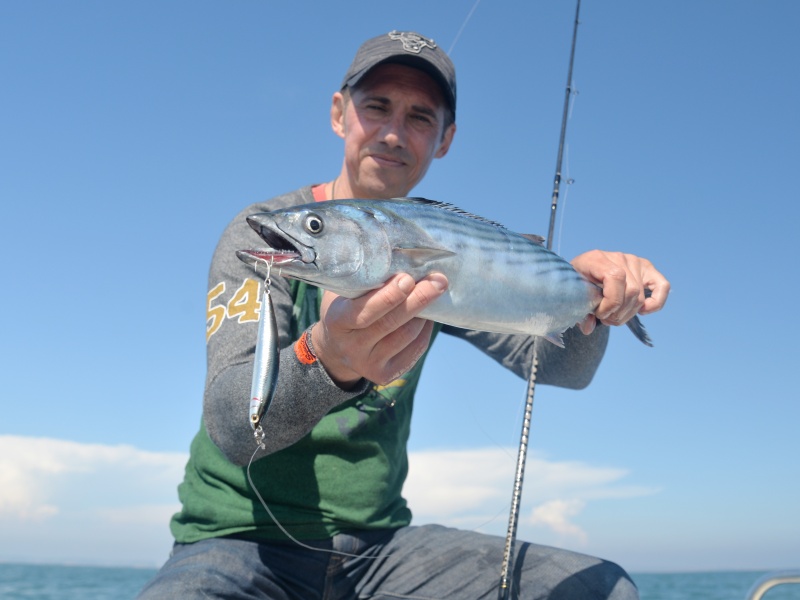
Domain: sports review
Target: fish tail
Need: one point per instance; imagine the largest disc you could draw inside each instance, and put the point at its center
(636, 326)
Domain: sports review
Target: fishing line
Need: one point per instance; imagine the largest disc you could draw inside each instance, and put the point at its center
(569, 181)
(503, 448)
(463, 25)
(479, 424)
(574, 92)
(261, 446)
(259, 435)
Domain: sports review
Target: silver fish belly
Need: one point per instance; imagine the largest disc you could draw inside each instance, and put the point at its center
(265, 363)
(499, 281)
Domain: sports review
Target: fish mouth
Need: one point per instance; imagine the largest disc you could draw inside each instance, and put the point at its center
(282, 249)
(256, 257)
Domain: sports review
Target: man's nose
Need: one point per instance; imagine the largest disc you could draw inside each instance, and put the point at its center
(393, 131)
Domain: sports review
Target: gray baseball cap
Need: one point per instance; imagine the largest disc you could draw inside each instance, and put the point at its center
(405, 48)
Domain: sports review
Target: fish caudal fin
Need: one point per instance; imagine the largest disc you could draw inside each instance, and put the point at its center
(635, 325)
(555, 338)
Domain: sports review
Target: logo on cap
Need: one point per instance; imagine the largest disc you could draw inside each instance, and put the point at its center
(412, 42)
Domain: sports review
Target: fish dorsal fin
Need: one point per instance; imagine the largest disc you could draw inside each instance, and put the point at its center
(452, 208)
(419, 257)
(532, 237)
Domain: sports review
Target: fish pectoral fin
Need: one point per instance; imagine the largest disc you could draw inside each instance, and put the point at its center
(421, 256)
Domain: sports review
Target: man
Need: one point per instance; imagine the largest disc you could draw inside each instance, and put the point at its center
(334, 461)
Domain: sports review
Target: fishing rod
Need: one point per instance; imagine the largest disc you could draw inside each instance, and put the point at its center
(567, 94)
(516, 496)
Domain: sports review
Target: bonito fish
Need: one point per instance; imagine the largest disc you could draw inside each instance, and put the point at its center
(499, 281)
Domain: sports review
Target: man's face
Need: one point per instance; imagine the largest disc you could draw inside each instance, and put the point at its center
(393, 126)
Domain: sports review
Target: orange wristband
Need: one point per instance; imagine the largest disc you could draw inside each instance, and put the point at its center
(303, 350)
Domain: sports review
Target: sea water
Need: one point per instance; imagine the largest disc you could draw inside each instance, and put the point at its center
(56, 582)
(46, 582)
(714, 585)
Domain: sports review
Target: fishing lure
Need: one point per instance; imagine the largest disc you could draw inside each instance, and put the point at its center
(265, 363)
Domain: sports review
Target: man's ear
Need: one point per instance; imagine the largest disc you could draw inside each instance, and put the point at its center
(447, 139)
(337, 114)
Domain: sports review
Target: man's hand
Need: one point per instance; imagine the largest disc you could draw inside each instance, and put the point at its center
(624, 279)
(378, 335)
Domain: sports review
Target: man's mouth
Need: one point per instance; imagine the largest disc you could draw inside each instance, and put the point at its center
(388, 160)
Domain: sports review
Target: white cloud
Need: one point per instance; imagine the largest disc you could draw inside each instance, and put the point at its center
(37, 474)
(472, 489)
(442, 483)
(56, 493)
(555, 515)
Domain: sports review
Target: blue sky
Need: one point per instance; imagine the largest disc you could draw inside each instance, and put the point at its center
(130, 133)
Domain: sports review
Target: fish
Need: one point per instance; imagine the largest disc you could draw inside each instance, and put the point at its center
(498, 280)
(265, 363)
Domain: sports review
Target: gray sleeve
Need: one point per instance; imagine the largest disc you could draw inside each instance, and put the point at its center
(304, 393)
(571, 367)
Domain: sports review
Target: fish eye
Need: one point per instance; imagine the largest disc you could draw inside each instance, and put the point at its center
(313, 224)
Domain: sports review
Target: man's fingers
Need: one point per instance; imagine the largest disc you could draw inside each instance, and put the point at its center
(364, 311)
(424, 293)
(624, 279)
(399, 339)
(623, 293)
(588, 325)
(418, 333)
(377, 334)
(395, 303)
(659, 292)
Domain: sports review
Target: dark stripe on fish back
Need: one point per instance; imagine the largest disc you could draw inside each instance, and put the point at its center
(452, 208)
